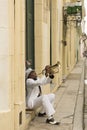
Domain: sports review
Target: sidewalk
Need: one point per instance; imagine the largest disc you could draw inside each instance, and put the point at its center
(68, 104)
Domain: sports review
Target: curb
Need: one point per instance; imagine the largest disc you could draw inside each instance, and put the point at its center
(78, 116)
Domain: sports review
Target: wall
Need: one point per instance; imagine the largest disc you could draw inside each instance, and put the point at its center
(6, 115)
(12, 62)
(48, 36)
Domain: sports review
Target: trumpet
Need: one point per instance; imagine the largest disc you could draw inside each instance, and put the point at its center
(54, 68)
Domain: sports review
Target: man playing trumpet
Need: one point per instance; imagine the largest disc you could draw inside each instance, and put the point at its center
(35, 98)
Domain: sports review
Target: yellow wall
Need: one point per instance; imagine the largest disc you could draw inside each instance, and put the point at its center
(12, 64)
(12, 54)
(19, 64)
(70, 50)
(42, 35)
(56, 25)
(6, 85)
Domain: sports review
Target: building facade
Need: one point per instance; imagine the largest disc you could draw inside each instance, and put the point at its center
(37, 31)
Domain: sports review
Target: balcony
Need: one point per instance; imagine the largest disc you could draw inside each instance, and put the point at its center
(72, 12)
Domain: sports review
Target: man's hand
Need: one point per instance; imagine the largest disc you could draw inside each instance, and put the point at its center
(49, 71)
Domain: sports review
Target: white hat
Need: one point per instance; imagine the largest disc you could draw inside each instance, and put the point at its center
(27, 72)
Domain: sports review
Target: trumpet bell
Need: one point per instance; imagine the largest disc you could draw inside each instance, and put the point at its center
(55, 65)
(55, 68)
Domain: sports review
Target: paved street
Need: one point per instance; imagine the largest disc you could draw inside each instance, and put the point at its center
(68, 104)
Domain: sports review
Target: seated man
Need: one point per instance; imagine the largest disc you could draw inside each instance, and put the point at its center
(35, 98)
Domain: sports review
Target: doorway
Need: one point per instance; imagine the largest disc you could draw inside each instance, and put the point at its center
(30, 32)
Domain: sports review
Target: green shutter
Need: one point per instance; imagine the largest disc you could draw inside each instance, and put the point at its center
(74, 10)
(30, 31)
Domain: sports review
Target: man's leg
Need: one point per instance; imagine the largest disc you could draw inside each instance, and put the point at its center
(51, 98)
(45, 102)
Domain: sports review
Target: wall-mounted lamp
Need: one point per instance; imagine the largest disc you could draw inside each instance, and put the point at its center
(64, 42)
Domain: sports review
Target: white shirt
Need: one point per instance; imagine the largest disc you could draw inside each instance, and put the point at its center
(33, 89)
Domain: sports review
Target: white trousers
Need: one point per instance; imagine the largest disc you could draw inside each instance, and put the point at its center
(46, 101)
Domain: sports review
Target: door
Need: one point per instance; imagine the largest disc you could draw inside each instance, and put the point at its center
(30, 31)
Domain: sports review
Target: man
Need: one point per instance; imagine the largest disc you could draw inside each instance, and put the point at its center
(35, 98)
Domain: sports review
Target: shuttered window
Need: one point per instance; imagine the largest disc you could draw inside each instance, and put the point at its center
(30, 31)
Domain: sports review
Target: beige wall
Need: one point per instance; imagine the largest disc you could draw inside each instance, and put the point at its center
(19, 63)
(57, 23)
(42, 34)
(70, 50)
(43, 14)
(5, 78)
(6, 95)
(12, 53)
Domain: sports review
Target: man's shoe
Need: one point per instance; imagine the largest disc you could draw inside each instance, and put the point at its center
(41, 114)
(52, 121)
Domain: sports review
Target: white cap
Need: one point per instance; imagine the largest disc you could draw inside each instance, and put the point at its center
(27, 72)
